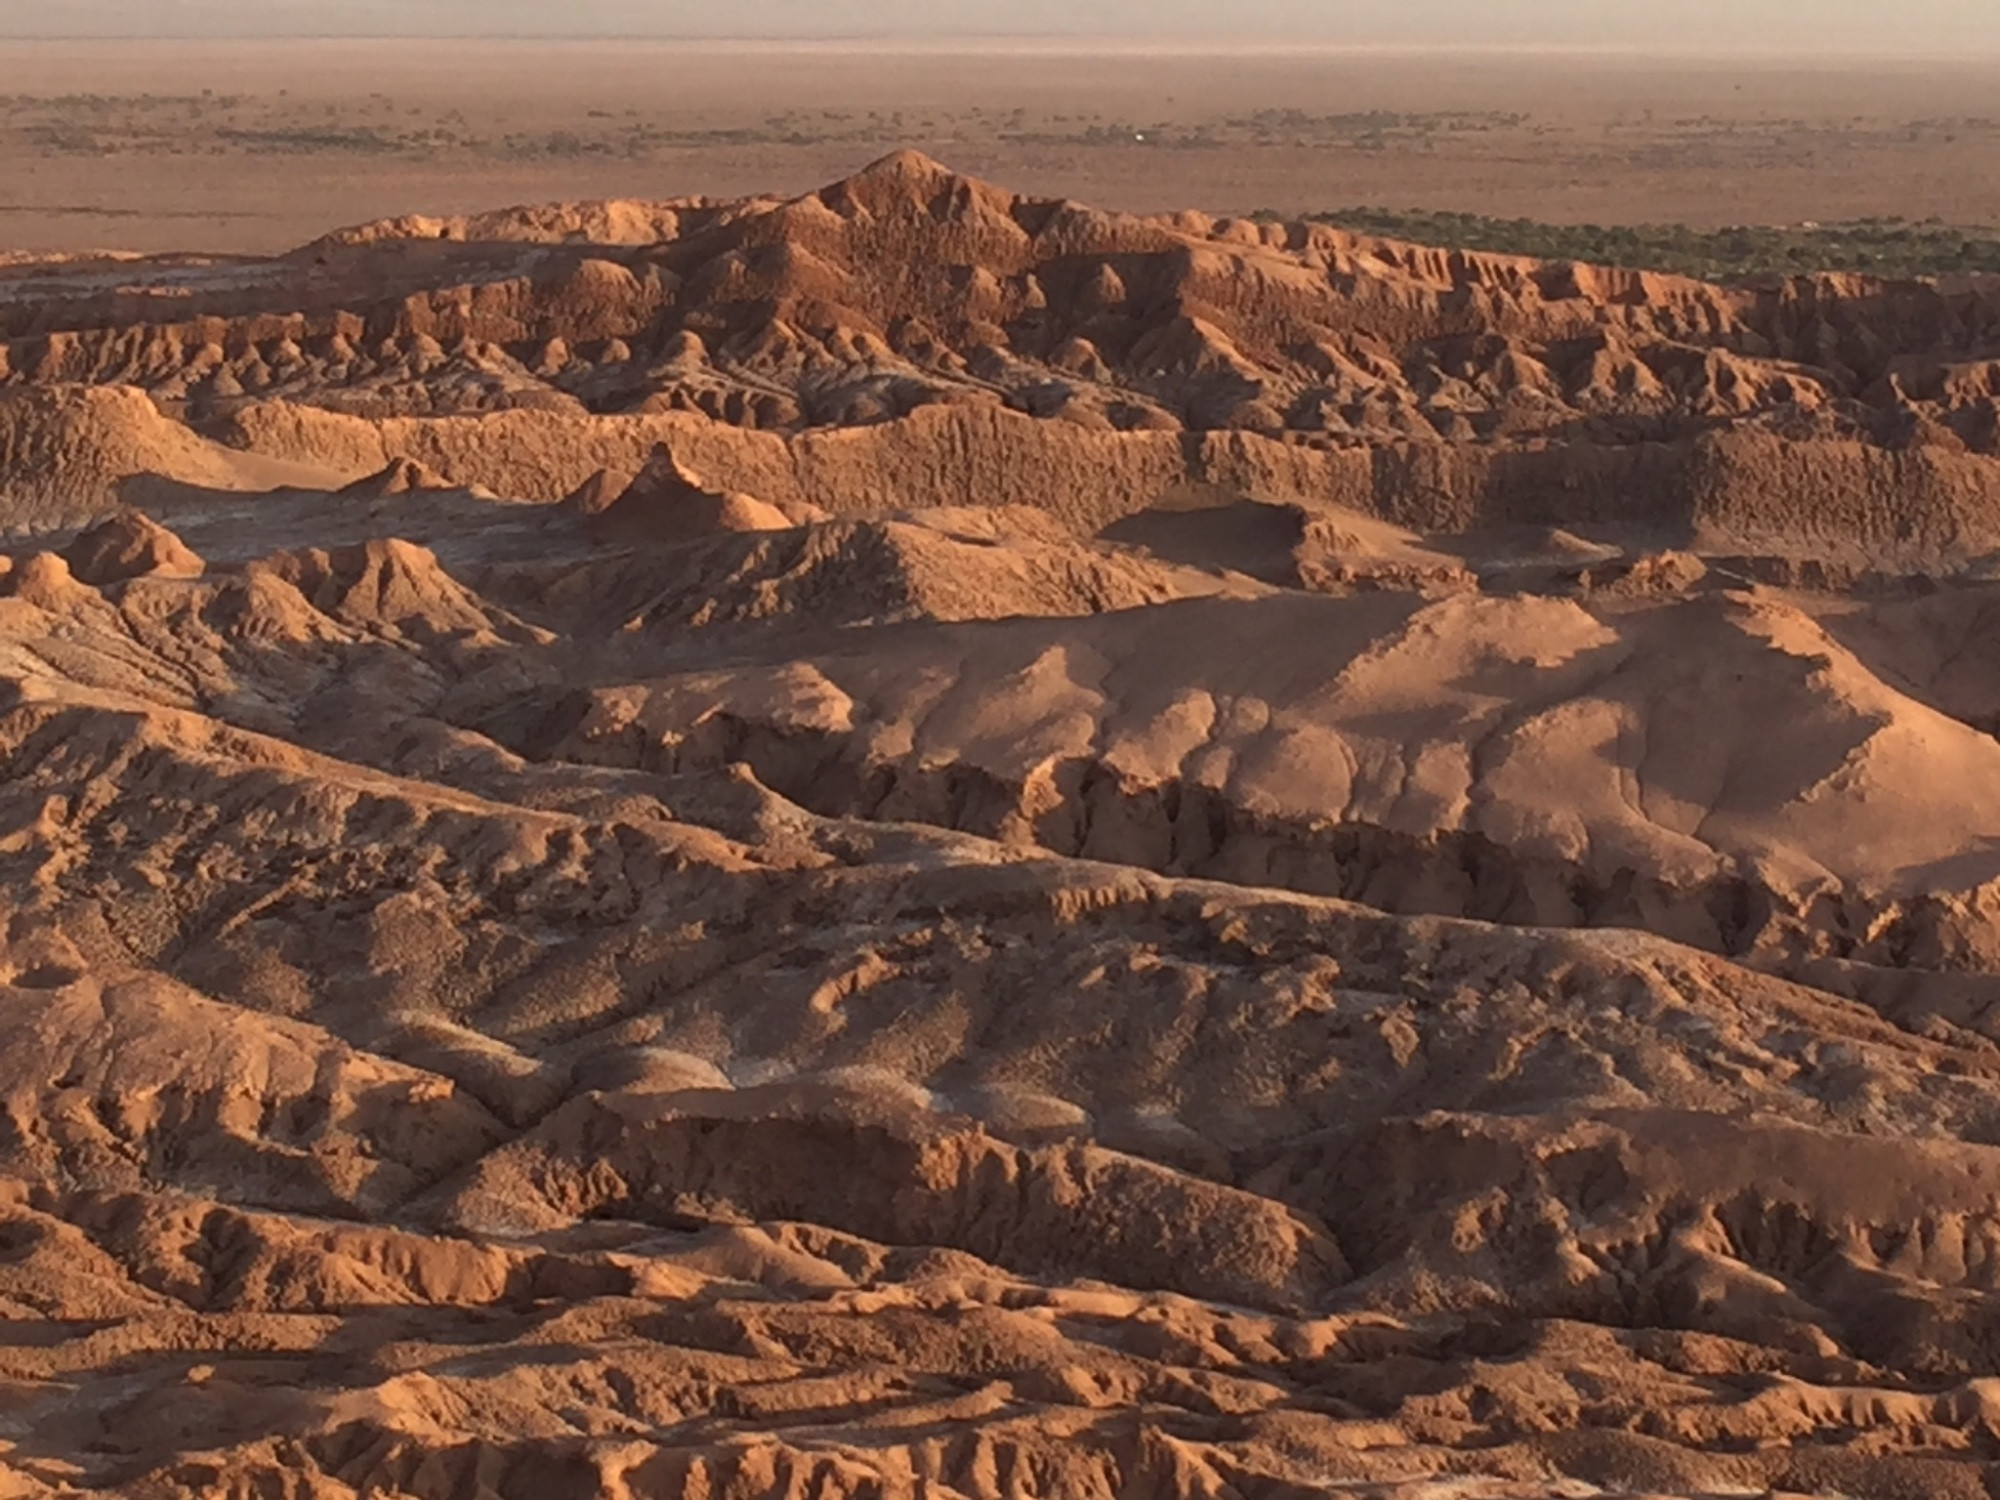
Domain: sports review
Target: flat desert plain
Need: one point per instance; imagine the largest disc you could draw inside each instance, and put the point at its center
(257, 146)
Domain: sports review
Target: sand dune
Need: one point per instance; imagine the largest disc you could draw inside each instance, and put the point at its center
(662, 870)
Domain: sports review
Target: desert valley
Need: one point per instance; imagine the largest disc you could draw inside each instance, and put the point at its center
(919, 841)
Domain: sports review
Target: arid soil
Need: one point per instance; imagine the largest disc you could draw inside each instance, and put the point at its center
(916, 842)
(259, 146)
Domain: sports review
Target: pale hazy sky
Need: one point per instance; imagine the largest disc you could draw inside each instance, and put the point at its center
(1886, 26)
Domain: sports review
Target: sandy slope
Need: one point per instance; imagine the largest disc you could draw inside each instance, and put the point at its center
(559, 953)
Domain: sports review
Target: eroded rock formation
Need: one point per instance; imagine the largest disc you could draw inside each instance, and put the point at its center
(914, 844)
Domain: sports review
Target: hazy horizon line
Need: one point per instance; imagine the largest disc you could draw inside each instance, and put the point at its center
(1067, 43)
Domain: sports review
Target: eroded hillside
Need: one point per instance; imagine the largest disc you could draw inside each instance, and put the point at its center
(915, 844)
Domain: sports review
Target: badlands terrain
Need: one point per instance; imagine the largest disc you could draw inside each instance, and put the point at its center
(917, 842)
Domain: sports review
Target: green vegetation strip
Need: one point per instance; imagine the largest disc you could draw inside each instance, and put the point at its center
(1878, 247)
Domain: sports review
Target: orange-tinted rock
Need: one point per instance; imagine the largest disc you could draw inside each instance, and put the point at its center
(130, 545)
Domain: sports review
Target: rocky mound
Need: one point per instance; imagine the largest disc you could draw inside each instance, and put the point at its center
(614, 221)
(71, 455)
(400, 476)
(666, 502)
(131, 545)
(939, 565)
(1314, 546)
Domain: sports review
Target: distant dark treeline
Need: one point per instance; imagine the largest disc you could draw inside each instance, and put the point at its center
(1878, 247)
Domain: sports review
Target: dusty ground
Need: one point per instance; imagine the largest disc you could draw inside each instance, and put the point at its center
(925, 844)
(103, 144)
